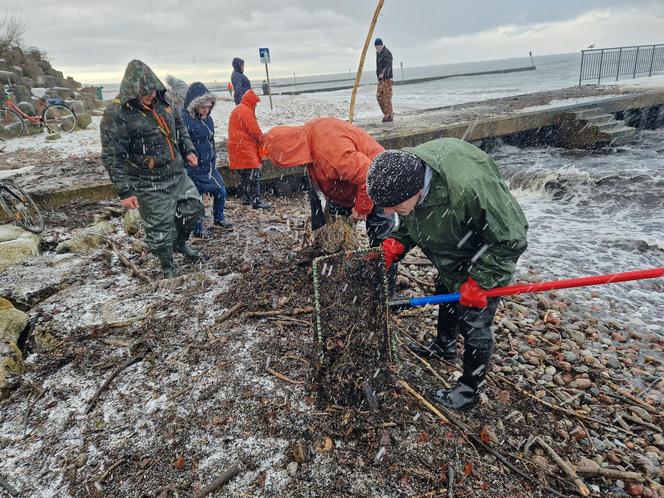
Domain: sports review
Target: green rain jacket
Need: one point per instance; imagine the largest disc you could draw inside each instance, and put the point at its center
(141, 143)
(468, 224)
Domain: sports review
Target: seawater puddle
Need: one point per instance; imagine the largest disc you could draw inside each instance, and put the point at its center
(595, 212)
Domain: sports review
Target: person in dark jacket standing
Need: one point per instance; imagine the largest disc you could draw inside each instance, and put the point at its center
(454, 205)
(384, 74)
(144, 141)
(240, 82)
(198, 105)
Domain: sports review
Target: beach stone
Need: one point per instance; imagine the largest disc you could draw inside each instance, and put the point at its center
(550, 370)
(16, 245)
(613, 362)
(570, 357)
(12, 323)
(581, 383)
(565, 366)
(618, 337)
(291, 468)
(634, 488)
(53, 136)
(578, 337)
(86, 240)
(509, 325)
(544, 303)
(579, 433)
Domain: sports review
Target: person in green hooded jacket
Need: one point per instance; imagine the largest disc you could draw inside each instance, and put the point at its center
(454, 205)
(144, 141)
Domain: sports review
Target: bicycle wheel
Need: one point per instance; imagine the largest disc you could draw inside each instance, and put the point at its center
(59, 118)
(11, 124)
(20, 208)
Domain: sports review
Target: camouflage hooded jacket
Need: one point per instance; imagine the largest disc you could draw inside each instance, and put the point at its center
(139, 141)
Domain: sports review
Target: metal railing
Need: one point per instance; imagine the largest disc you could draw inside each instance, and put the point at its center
(621, 61)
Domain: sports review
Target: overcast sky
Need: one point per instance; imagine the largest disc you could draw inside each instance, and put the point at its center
(93, 40)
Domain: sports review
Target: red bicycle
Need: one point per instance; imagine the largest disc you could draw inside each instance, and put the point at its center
(55, 115)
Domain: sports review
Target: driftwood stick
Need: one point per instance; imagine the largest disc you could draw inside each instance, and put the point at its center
(646, 406)
(263, 314)
(415, 279)
(450, 481)
(610, 473)
(583, 489)
(639, 421)
(29, 411)
(109, 470)
(283, 377)
(8, 487)
(128, 362)
(427, 366)
(228, 474)
(229, 313)
(131, 266)
(422, 400)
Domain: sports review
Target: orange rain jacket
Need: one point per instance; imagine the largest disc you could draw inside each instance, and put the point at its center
(336, 153)
(244, 134)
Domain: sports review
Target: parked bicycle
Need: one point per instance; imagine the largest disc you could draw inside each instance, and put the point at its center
(55, 114)
(17, 206)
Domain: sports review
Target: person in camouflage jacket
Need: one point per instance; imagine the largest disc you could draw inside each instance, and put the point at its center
(144, 141)
(454, 205)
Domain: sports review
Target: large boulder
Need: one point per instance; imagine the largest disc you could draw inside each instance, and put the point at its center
(12, 323)
(32, 70)
(16, 245)
(87, 239)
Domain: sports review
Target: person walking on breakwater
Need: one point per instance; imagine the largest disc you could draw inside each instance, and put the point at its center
(384, 74)
(143, 144)
(337, 155)
(455, 206)
(198, 105)
(239, 80)
(244, 138)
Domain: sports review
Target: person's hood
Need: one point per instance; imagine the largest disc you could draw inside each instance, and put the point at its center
(138, 80)
(177, 90)
(197, 96)
(237, 64)
(250, 99)
(288, 146)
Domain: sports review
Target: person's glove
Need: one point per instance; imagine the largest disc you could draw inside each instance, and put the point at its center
(392, 249)
(130, 202)
(472, 295)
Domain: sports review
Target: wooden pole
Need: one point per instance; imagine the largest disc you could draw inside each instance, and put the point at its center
(358, 76)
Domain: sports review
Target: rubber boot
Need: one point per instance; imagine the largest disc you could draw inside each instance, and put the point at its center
(441, 349)
(462, 397)
(187, 251)
(166, 259)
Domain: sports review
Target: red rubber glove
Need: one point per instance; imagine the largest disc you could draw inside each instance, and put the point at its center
(392, 249)
(472, 295)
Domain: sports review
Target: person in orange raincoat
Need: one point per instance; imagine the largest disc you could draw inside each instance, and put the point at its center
(337, 155)
(244, 137)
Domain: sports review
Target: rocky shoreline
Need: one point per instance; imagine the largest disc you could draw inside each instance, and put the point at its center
(234, 381)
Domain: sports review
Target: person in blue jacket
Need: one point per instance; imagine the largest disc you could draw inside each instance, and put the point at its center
(198, 105)
(240, 82)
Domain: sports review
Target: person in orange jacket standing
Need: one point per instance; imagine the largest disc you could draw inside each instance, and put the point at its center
(244, 138)
(337, 155)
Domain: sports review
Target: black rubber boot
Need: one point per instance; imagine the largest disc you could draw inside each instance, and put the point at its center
(462, 397)
(435, 348)
(187, 251)
(261, 204)
(166, 259)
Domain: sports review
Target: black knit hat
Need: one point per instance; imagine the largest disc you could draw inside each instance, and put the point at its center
(394, 176)
(378, 42)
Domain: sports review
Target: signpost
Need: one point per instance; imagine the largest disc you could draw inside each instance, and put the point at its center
(264, 54)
